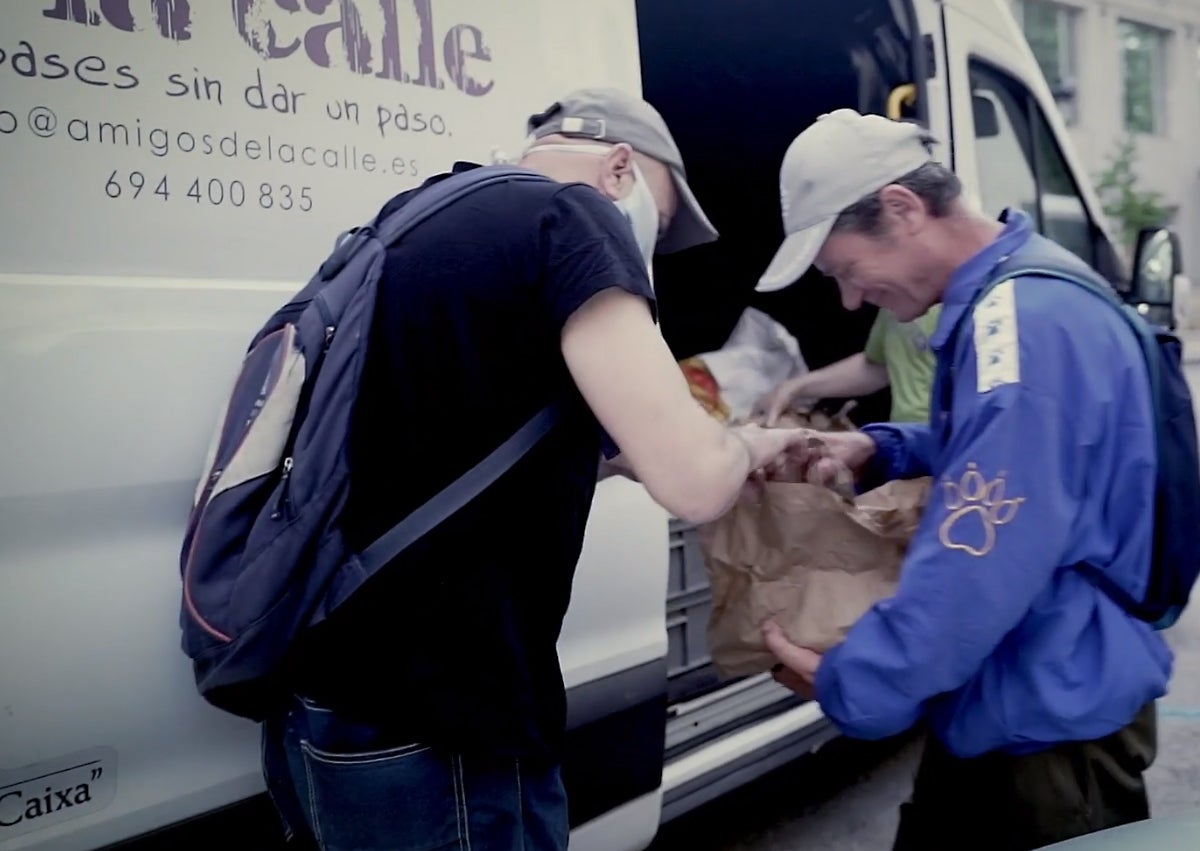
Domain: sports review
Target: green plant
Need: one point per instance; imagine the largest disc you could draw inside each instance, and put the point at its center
(1128, 206)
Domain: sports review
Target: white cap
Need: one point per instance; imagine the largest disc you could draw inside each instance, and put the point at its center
(836, 162)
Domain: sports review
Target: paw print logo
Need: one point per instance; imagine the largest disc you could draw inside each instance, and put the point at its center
(975, 508)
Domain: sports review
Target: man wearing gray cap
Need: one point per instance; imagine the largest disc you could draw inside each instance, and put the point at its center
(1036, 685)
(430, 708)
(610, 119)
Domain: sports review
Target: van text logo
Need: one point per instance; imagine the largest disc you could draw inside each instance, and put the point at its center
(397, 40)
(37, 796)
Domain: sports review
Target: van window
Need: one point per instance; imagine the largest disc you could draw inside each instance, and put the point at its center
(1006, 176)
(1021, 165)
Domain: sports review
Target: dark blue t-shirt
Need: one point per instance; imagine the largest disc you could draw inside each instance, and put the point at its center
(454, 643)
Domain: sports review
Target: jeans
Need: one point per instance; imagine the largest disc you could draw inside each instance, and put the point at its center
(340, 785)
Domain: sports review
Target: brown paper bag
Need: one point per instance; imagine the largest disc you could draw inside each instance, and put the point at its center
(806, 557)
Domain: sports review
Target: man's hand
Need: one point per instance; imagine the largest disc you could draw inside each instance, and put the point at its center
(774, 404)
(825, 457)
(848, 378)
(770, 447)
(798, 668)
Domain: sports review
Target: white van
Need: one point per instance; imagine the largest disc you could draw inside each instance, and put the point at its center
(173, 171)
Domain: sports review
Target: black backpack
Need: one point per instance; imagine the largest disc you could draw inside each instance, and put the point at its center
(264, 556)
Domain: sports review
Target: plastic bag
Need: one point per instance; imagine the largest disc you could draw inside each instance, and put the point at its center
(758, 356)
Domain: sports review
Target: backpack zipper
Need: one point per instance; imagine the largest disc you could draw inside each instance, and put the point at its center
(201, 512)
(283, 506)
(327, 318)
(189, 603)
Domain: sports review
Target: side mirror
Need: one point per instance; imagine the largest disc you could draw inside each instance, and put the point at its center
(1157, 262)
(987, 121)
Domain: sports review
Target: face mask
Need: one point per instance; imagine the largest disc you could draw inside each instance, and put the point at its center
(499, 157)
(642, 213)
(638, 206)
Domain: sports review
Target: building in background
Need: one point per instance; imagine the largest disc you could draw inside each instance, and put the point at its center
(1122, 68)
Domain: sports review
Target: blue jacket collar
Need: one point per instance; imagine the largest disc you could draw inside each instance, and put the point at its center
(968, 278)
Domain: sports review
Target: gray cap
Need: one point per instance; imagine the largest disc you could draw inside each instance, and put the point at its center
(835, 163)
(611, 115)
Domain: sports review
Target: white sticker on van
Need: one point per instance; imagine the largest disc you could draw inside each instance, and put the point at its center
(180, 138)
(47, 793)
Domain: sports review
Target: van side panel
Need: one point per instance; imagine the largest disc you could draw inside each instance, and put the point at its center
(171, 175)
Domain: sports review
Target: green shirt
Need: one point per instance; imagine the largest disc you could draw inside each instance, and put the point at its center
(903, 348)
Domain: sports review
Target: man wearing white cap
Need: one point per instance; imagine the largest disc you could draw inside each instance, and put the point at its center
(430, 708)
(1037, 687)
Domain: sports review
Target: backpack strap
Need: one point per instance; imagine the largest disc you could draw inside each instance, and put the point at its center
(424, 203)
(1147, 341)
(436, 197)
(421, 206)
(1146, 337)
(1013, 267)
(459, 492)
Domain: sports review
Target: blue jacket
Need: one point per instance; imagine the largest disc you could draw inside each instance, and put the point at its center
(1045, 459)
